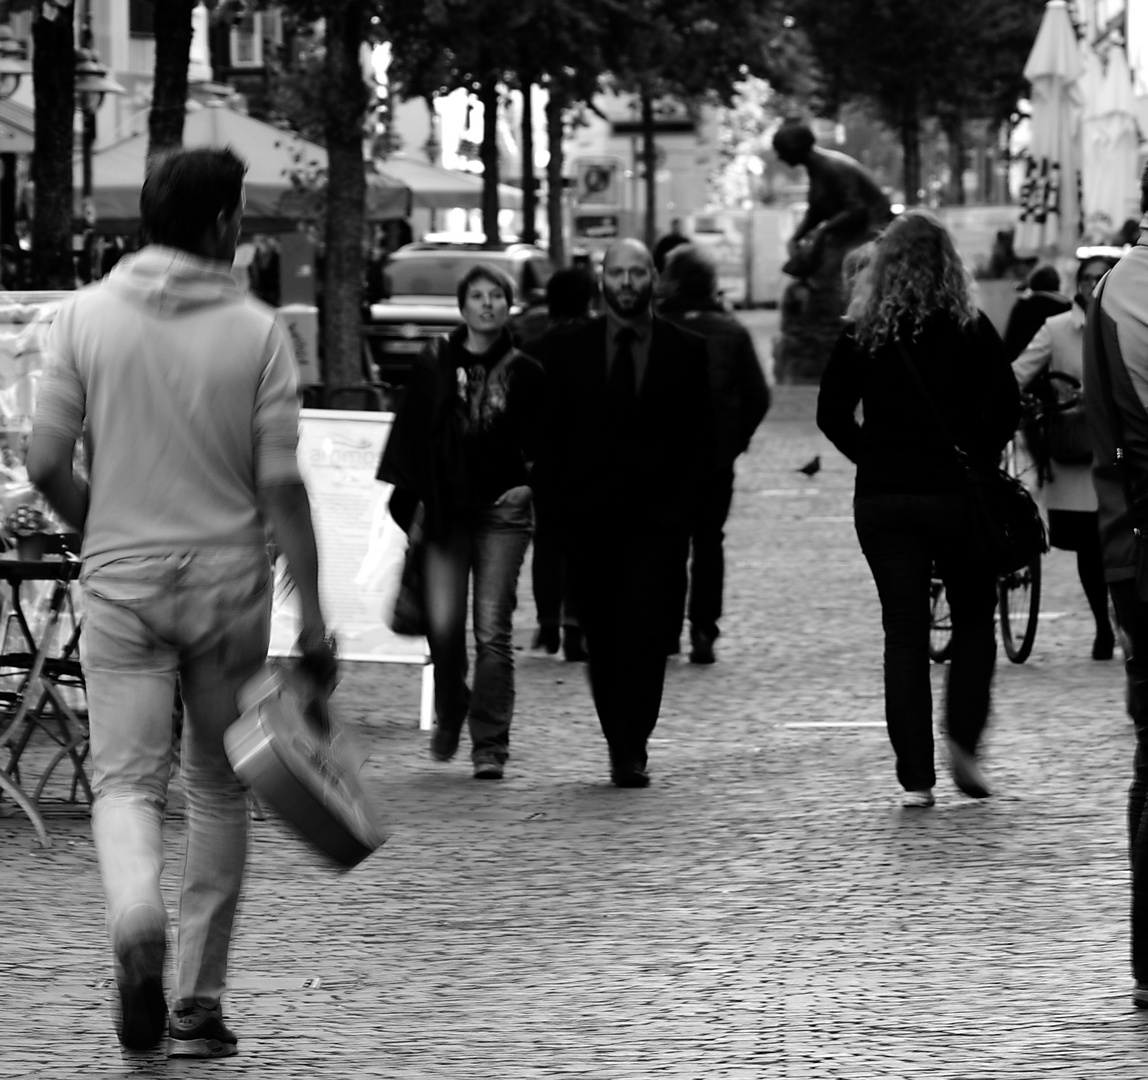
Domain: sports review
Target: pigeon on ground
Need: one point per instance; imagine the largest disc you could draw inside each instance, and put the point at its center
(813, 467)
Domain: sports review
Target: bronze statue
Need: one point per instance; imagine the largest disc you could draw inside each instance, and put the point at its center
(846, 209)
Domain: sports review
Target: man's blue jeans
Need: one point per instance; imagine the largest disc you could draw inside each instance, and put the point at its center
(490, 544)
(204, 616)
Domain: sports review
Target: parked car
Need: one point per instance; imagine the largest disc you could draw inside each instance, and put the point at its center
(421, 282)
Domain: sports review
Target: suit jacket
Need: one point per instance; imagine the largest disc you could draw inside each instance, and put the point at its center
(643, 476)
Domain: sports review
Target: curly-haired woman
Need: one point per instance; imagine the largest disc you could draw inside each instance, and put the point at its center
(916, 346)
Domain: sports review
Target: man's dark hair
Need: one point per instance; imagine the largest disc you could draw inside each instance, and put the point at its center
(185, 191)
(1044, 278)
(570, 293)
(485, 272)
(1144, 191)
(795, 136)
(690, 278)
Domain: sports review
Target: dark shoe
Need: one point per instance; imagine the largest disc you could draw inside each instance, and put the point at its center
(487, 769)
(139, 979)
(630, 776)
(444, 742)
(200, 1033)
(1104, 646)
(574, 645)
(966, 773)
(1140, 995)
(702, 649)
(546, 639)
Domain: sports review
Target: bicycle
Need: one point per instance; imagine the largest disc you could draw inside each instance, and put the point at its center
(1018, 593)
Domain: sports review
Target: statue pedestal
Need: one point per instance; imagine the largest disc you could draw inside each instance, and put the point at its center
(811, 322)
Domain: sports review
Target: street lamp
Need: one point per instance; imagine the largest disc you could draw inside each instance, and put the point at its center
(92, 82)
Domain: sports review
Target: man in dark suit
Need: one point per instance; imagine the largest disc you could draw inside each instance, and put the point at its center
(628, 442)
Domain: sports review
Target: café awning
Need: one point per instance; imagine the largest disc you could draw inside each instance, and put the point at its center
(275, 201)
(436, 188)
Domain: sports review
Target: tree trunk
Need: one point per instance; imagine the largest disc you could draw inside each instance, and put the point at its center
(488, 95)
(955, 137)
(529, 195)
(53, 81)
(169, 94)
(650, 164)
(343, 263)
(911, 149)
(555, 187)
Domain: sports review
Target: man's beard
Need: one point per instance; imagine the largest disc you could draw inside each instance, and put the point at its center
(639, 302)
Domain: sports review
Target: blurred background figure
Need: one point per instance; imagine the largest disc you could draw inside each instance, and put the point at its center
(571, 297)
(1040, 299)
(1069, 495)
(740, 396)
(674, 238)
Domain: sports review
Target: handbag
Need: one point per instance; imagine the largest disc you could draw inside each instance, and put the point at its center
(409, 617)
(1063, 423)
(1007, 530)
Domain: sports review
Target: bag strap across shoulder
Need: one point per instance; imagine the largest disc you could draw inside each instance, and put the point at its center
(938, 416)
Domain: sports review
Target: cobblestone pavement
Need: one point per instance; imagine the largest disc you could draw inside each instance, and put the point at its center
(765, 909)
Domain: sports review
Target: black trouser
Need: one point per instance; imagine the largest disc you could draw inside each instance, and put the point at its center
(622, 582)
(703, 550)
(549, 575)
(903, 536)
(1132, 615)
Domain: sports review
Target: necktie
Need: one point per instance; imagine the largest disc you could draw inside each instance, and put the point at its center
(622, 377)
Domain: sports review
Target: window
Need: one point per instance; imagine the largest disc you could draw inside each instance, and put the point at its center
(247, 41)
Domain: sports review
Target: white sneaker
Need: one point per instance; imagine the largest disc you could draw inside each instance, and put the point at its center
(913, 800)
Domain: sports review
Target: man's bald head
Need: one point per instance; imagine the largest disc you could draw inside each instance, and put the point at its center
(628, 278)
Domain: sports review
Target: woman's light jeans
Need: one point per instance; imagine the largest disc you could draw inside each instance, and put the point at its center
(490, 545)
(204, 616)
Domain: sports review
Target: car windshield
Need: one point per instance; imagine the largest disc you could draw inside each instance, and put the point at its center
(438, 273)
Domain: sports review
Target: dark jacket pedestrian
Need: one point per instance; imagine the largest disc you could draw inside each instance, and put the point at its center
(740, 398)
(571, 294)
(1040, 300)
(913, 312)
(627, 445)
(462, 448)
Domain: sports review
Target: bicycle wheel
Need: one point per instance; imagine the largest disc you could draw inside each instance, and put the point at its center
(1019, 603)
(940, 623)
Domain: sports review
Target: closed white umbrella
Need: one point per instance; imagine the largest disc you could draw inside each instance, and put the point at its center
(1111, 185)
(1092, 135)
(1050, 199)
(1136, 17)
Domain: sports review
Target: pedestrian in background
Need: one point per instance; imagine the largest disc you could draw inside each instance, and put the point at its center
(459, 457)
(1069, 495)
(740, 399)
(185, 392)
(674, 238)
(916, 352)
(571, 295)
(1115, 378)
(627, 446)
(1040, 300)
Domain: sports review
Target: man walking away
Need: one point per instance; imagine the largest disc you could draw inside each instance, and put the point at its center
(627, 443)
(185, 391)
(1116, 375)
(741, 399)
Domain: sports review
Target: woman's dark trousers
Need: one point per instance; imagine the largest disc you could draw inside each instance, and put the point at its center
(903, 536)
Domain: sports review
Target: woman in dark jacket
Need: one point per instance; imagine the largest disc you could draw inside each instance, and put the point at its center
(459, 456)
(913, 311)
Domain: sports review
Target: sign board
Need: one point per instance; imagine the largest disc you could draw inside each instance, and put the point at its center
(598, 182)
(361, 549)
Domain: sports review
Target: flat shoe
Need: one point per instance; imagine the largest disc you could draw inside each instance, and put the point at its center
(966, 773)
(918, 800)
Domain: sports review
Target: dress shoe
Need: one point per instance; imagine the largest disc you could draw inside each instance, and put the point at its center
(966, 773)
(631, 776)
(1140, 995)
(1104, 646)
(546, 639)
(487, 769)
(574, 645)
(701, 648)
